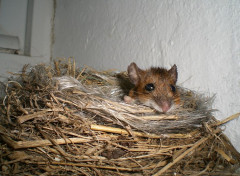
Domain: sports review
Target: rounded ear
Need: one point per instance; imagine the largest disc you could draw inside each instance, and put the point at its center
(173, 73)
(133, 73)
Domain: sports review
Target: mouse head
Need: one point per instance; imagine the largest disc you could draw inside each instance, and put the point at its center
(155, 87)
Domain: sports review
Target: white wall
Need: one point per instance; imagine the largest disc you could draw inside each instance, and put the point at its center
(35, 37)
(201, 36)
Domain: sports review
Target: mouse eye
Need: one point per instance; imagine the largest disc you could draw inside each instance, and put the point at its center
(173, 88)
(149, 87)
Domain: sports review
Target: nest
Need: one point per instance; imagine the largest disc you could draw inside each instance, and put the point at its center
(65, 121)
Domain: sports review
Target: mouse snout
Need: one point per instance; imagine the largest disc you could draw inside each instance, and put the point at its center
(165, 106)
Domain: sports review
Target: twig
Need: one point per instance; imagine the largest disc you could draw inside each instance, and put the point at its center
(80, 74)
(39, 143)
(225, 156)
(90, 165)
(120, 131)
(56, 64)
(226, 120)
(139, 134)
(24, 118)
(74, 68)
(204, 170)
(230, 147)
(164, 169)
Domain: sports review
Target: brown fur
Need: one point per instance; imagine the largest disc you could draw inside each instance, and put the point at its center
(162, 79)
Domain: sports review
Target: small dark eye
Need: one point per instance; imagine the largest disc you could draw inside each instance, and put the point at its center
(173, 88)
(150, 87)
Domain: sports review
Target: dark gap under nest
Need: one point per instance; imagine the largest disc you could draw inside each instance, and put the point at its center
(59, 120)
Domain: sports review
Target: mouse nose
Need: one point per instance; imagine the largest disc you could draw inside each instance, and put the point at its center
(165, 106)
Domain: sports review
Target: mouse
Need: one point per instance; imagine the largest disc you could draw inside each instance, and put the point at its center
(154, 87)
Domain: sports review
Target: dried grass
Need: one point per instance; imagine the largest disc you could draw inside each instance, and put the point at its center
(65, 121)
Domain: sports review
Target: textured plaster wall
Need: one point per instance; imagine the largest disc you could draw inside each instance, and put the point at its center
(201, 36)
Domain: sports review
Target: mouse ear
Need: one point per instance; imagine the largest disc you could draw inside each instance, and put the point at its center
(133, 73)
(173, 73)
